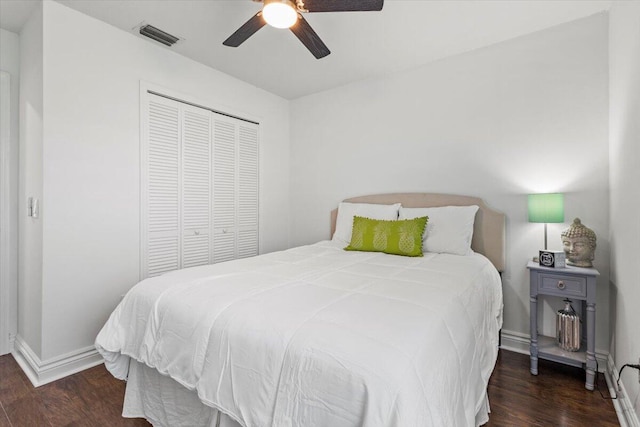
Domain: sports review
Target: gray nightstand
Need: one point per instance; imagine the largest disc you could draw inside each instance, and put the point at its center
(574, 283)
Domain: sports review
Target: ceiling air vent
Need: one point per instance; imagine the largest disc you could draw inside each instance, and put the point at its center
(158, 35)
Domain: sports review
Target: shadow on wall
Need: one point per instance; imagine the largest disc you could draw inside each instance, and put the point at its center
(613, 301)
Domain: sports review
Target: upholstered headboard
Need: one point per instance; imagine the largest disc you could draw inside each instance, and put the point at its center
(489, 226)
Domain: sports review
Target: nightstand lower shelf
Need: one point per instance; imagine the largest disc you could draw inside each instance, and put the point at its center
(548, 349)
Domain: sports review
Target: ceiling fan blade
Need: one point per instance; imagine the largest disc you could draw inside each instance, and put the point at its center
(309, 38)
(246, 31)
(343, 5)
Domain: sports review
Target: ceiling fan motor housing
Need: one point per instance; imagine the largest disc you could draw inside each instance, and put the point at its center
(280, 13)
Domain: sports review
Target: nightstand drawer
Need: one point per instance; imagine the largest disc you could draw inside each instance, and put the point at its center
(553, 284)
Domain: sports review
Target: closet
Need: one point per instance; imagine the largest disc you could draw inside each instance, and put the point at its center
(199, 186)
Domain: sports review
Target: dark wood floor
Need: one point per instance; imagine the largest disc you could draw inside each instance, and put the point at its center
(89, 398)
(556, 397)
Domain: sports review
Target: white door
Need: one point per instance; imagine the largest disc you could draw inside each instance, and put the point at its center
(8, 284)
(196, 186)
(161, 204)
(235, 188)
(199, 187)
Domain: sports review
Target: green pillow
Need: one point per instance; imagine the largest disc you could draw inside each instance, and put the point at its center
(401, 237)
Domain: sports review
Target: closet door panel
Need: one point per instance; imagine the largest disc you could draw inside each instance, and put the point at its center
(196, 186)
(247, 190)
(163, 190)
(224, 188)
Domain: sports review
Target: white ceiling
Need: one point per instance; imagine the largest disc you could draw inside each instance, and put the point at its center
(403, 35)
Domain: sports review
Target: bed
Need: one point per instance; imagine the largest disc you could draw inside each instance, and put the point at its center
(316, 335)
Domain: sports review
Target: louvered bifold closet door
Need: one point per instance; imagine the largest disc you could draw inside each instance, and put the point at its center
(247, 190)
(162, 205)
(199, 187)
(224, 188)
(196, 186)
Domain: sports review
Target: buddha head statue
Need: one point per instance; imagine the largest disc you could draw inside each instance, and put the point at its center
(579, 243)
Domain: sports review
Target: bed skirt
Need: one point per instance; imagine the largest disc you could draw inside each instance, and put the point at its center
(165, 403)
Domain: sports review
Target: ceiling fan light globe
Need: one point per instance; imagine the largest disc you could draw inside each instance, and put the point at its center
(279, 14)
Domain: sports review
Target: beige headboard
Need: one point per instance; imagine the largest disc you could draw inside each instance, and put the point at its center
(488, 230)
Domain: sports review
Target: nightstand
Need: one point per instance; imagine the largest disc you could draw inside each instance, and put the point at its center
(574, 283)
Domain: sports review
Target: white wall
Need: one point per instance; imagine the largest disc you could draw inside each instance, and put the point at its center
(90, 169)
(30, 182)
(624, 139)
(10, 63)
(527, 115)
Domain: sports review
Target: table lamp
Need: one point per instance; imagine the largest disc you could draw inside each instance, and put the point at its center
(547, 208)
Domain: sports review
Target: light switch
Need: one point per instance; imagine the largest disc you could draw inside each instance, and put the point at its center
(33, 208)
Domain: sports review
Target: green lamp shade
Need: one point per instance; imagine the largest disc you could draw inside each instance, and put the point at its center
(547, 208)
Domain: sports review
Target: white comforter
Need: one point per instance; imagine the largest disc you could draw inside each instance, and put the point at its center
(317, 336)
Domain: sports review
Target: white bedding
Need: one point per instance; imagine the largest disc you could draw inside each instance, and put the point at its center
(316, 336)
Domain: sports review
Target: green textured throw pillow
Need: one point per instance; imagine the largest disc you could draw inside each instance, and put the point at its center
(401, 237)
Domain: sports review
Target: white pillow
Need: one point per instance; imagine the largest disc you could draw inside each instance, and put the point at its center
(449, 229)
(346, 212)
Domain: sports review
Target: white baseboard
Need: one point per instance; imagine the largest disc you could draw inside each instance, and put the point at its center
(624, 408)
(514, 341)
(519, 343)
(42, 372)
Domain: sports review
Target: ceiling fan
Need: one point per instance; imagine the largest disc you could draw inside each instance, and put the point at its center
(288, 14)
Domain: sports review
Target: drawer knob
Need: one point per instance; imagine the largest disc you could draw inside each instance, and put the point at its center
(561, 284)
